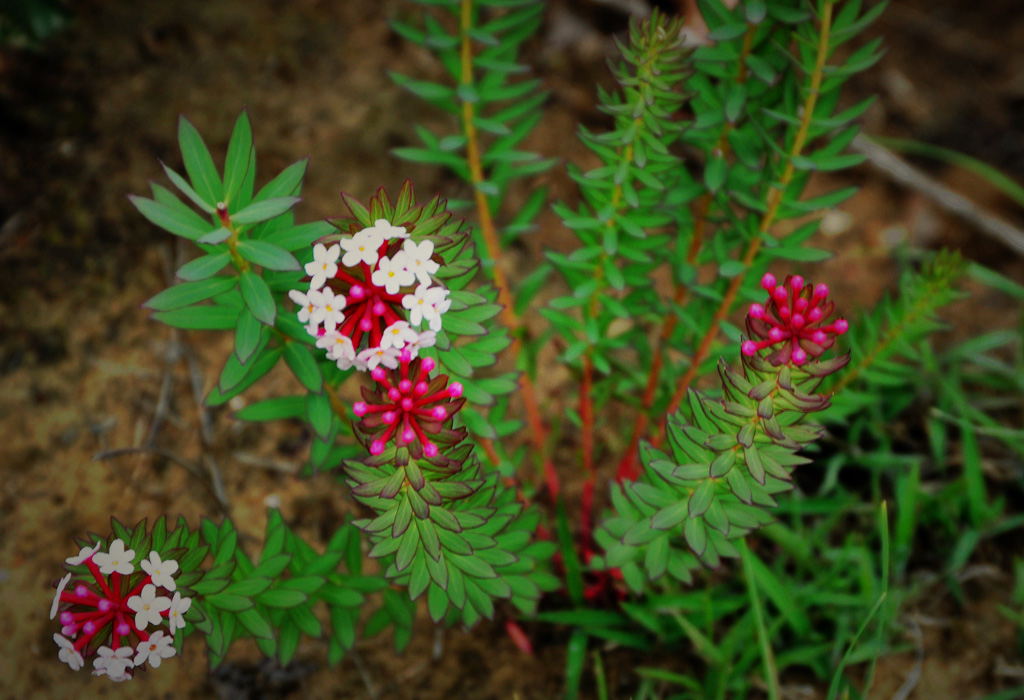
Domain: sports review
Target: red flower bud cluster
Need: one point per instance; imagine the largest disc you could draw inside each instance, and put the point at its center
(795, 318)
(408, 405)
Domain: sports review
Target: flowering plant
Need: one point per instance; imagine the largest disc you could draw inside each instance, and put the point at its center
(706, 152)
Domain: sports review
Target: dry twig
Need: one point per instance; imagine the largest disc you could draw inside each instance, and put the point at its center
(209, 477)
(905, 174)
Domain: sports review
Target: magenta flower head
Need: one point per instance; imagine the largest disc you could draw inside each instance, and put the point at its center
(115, 607)
(794, 321)
(407, 406)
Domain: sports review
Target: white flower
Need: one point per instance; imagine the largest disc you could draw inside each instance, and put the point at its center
(392, 274)
(384, 228)
(324, 265)
(155, 650)
(117, 559)
(176, 613)
(328, 308)
(84, 554)
(372, 357)
(56, 599)
(439, 310)
(426, 339)
(160, 571)
(339, 347)
(359, 363)
(397, 335)
(67, 653)
(113, 663)
(148, 607)
(303, 303)
(362, 247)
(422, 303)
(417, 260)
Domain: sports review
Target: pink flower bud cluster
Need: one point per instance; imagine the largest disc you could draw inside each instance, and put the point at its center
(794, 320)
(407, 405)
(106, 615)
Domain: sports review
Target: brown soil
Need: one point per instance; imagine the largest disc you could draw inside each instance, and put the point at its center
(83, 370)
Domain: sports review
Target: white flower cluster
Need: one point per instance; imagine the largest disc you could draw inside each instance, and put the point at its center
(149, 608)
(373, 300)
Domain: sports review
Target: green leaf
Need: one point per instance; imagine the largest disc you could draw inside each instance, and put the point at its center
(437, 603)
(248, 332)
(287, 642)
(276, 408)
(700, 499)
(186, 189)
(188, 293)
(286, 184)
(799, 254)
(304, 584)
(318, 410)
(256, 624)
(204, 267)
(258, 298)
(715, 173)
(263, 364)
(282, 598)
(236, 165)
(575, 661)
(264, 210)
(199, 164)
(301, 236)
(227, 601)
(249, 587)
(303, 366)
(267, 255)
(172, 220)
(216, 236)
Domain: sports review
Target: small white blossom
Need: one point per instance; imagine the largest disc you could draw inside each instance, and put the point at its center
(67, 653)
(392, 274)
(384, 228)
(426, 339)
(160, 571)
(155, 650)
(148, 606)
(397, 335)
(339, 348)
(328, 308)
(362, 247)
(117, 559)
(56, 599)
(303, 303)
(176, 613)
(422, 303)
(324, 265)
(113, 663)
(359, 363)
(372, 357)
(84, 554)
(417, 260)
(439, 310)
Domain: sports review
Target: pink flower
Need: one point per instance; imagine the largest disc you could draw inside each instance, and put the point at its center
(408, 405)
(793, 318)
